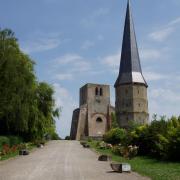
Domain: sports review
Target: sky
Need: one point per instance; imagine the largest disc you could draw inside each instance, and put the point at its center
(75, 42)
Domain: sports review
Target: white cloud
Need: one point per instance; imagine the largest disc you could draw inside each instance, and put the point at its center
(87, 44)
(74, 63)
(91, 19)
(151, 54)
(65, 100)
(166, 31)
(42, 42)
(153, 76)
(174, 22)
(69, 66)
(112, 60)
(68, 58)
(162, 34)
(164, 101)
(64, 76)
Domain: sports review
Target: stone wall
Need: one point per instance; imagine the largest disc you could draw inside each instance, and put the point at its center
(74, 124)
(94, 117)
(131, 104)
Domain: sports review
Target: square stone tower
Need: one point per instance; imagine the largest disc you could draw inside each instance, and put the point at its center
(93, 117)
(130, 86)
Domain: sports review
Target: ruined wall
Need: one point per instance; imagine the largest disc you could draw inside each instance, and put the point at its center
(94, 116)
(74, 123)
(98, 104)
(81, 122)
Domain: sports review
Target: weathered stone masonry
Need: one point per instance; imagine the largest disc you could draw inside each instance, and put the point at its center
(130, 86)
(93, 117)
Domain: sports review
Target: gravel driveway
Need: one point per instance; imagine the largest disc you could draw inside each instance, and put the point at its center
(61, 160)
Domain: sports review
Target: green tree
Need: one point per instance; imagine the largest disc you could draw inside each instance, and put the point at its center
(17, 83)
(27, 107)
(114, 123)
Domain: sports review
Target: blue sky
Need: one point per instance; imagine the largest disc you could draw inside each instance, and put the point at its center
(74, 42)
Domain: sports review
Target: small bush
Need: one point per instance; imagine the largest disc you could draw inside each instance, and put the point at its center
(55, 136)
(14, 140)
(39, 141)
(115, 136)
(9, 140)
(4, 140)
(67, 138)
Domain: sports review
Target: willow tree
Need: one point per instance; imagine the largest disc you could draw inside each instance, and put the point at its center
(26, 106)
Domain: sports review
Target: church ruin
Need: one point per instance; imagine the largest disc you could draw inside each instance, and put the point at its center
(93, 117)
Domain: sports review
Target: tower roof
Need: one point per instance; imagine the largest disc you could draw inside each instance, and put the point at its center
(130, 66)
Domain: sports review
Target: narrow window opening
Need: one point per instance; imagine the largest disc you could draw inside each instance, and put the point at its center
(101, 92)
(96, 91)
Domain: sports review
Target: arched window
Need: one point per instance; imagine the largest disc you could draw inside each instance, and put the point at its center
(96, 91)
(99, 120)
(101, 92)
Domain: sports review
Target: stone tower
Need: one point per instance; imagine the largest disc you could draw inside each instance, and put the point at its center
(130, 86)
(93, 117)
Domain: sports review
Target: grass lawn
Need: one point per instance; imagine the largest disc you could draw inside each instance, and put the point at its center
(156, 170)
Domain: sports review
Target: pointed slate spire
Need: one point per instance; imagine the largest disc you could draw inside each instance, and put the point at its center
(130, 67)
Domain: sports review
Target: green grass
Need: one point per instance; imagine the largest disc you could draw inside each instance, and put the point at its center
(8, 156)
(14, 154)
(156, 170)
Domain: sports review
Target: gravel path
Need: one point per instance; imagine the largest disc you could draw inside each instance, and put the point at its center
(61, 160)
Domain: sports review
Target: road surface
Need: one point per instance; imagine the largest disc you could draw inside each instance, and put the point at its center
(61, 160)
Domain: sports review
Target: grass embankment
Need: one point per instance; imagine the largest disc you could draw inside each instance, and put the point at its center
(155, 169)
(30, 147)
(10, 146)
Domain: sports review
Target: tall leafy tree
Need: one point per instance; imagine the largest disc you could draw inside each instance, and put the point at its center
(27, 107)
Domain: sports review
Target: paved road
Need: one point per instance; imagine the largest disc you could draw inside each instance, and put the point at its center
(61, 160)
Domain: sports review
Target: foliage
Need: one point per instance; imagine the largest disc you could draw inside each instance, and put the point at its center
(55, 136)
(27, 106)
(114, 121)
(160, 139)
(4, 140)
(67, 138)
(127, 152)
(9, 140)
(115, 136)
(146, 166)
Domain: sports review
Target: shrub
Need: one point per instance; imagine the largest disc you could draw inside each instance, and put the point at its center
(39, 142)
(67, 138)
(55, 136)
(115, 136)
(9, 140)
(128, 152)
(14, 140)
(102, 145)
(4, 140)
(174, 144)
